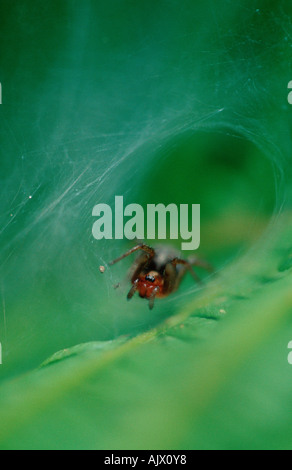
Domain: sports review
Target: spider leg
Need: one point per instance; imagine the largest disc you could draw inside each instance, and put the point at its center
(152, 298)
(173, 280)
(140, 263)
(141, 246)
(201, 263)
(187, 266)
(180, 277)
(138, 266)
(170, 278)
(133, 289)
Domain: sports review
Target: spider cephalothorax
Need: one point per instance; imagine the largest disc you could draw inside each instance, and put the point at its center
(150, 284)
(158, 273)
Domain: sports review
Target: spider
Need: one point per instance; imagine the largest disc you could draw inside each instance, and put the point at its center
(158, 273)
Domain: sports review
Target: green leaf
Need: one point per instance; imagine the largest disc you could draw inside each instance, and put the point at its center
(157, 390)
(160, 102)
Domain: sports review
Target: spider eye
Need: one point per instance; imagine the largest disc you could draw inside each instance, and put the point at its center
(150, 278)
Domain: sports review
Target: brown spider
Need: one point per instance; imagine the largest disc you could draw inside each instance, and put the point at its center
(158, 273)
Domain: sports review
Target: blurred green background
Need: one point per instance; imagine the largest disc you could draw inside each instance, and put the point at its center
(161, 102)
